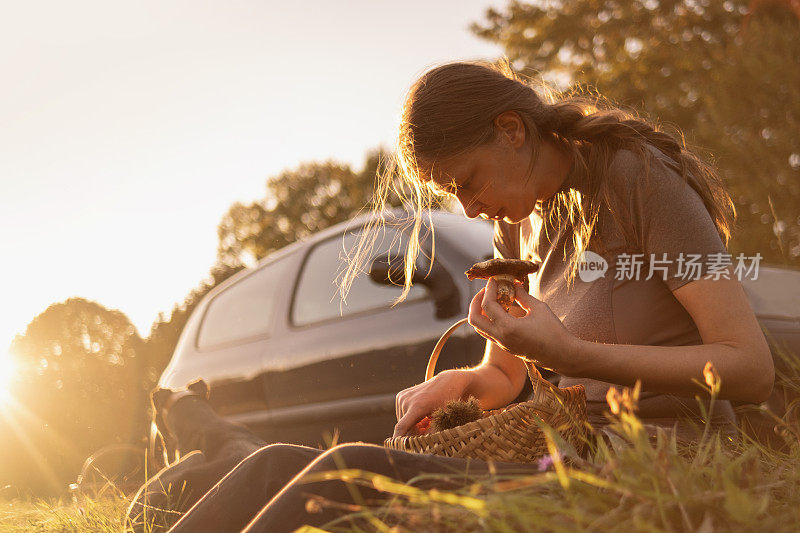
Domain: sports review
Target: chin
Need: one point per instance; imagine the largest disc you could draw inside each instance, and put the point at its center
(516, 218)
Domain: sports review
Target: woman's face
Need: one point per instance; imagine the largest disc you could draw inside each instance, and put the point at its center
(491, 181)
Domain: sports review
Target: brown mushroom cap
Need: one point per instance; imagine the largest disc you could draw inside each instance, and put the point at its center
(494, 267)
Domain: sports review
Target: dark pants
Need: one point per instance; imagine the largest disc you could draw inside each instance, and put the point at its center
(266, 493)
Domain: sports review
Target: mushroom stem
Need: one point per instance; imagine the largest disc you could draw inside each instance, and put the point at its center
(506, 272)
(505, 290)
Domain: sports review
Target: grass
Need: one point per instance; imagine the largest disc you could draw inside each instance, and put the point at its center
(635, 484)
(629, 481)
(650, 488)
(104, 514)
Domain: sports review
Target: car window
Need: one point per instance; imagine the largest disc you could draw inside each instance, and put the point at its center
(317, 296)
(472, 237)
(244, 310)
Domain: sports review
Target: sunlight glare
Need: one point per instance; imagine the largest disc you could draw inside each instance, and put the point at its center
(6, 374)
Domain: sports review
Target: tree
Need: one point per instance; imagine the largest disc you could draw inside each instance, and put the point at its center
(78, 388)
(298, 203)
(736, 94)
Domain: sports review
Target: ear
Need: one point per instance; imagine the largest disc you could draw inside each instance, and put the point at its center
(158, 397)
(200, 388)
(511, 128)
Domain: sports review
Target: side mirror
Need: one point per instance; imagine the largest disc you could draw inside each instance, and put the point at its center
(388, 270)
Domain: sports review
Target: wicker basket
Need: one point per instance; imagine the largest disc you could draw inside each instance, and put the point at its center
(510, 434)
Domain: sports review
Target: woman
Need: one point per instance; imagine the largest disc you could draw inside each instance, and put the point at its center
(569, 184)
(558, 178)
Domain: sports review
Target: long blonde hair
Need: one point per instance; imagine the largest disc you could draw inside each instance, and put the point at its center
(450, 110)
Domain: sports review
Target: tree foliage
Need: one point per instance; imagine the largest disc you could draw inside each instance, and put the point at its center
(298, 203)
(690, 63)
(78, 387)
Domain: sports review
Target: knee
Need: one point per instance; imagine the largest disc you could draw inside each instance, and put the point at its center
(272, 457)
(352, 455)
(282, 454)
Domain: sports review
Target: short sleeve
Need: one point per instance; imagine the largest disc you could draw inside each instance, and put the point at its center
(673, 229)
(506, 241)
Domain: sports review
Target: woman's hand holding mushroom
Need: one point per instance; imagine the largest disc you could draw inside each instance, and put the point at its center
(537, 336)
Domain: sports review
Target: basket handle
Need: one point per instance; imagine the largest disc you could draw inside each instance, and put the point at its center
(540, 385)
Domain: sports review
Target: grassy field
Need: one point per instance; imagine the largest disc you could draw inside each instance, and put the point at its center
(633, 485)
(629, 481)
(88, 515)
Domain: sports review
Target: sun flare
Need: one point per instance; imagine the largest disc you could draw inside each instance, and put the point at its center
(6, 374)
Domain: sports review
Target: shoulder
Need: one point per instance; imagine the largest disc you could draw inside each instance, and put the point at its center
(630, 166)
(663, 210)
(648, 173)
(651, 185)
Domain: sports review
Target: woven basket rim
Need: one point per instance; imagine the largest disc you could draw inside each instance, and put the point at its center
(530, 405)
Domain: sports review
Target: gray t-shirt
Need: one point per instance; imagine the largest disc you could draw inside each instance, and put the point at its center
(667, 217)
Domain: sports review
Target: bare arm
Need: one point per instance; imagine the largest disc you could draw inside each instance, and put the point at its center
(499, 378)
(495, 383)
(732, 341)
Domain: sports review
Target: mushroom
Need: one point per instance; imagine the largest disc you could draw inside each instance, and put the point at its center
(505, 272)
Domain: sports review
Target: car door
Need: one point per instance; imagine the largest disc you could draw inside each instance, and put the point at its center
(340, 364)
(235, 326)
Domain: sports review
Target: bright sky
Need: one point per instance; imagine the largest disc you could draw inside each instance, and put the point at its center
(127, 129)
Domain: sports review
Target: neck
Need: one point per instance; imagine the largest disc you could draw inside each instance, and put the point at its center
(552, 169)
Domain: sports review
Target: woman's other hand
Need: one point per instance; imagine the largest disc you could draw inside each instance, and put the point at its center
(415, 403)
(537, 336)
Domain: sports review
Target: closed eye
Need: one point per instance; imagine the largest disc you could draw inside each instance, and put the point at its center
(448, 188)
(455, 188)
(451, 188)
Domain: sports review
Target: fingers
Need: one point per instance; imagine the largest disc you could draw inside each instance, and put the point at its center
(486, 315)
(406, 422)
(525, 300)
(397, 413)
(399, 410)
(403, 402)
(490, 306)
(476, 318)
